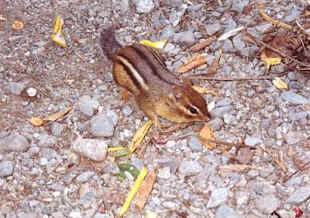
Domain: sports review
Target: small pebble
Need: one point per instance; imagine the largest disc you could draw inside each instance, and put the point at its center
(14, 142)
(6, 168)
(93, 149)
(226, 212)
(85, 176)
(216, 124)
(190, 168)
(194, 143)
(294, 98)
(31, 92)
(144, 6)
(218, 197)
(293, 137)
(187, 37)
(213, 28)
(87, 105)
(102, 125)
(299, 196)
(252, 141)
(220, 111)
(267, 204)
(16, 88)
(164, 173)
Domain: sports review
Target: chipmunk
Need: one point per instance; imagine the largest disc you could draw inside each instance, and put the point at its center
(158, 92)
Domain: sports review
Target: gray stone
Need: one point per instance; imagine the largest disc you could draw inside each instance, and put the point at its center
(16, 88)
(57, 128)
(213, 28)
(124, 4)
(194, 143)
(216, 124)
(31, 92)
(170, 205)
(294, 116)
(227, 212)
(185, 37)
(164, 173)
(294, 98)
(93, 149)
(144, 6)
(267, 204)
(220, 111)
(223, 102)
(252, 141)
(167, 33)
(299, 196)
(190, 168)
(293, 137)
(102, 125)
(85, 176)
(127, 110)
(175, 16)
(238, 42)
(87, 105)
(46, 140)
(263, 28)
(238, 5)
(218, 197)
(228, 46)
(27, 215)
(228, 118)
(6, 168)
(14, 142)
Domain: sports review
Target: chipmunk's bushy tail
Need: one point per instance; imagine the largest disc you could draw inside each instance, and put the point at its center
(108, 42)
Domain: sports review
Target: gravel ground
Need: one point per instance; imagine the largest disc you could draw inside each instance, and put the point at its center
(53, 171)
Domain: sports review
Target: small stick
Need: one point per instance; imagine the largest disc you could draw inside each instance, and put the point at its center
(230, 78)
(285, 179)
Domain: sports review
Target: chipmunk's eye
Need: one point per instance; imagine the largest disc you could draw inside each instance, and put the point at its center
(192, 109)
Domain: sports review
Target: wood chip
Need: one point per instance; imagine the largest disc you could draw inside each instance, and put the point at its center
(215, 64)
(193, 63)
(230, 33)
(145, 190)
(204, 90)
(279, 84)
(58, 115)
(139, 136)
(203, 43)
(18, 25)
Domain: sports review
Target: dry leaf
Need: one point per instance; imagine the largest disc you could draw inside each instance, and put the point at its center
(203, 43)
(215, 64)
(133, 191)
(57, 35)
(58, 115)
(269, 61)
(279, 84)
(157, 45)
(192, 63)
(271, 20)
(18, 25)
(139, 136)
(204, 90)
(36, 121)
(205, 135)
(145, 190)
(230, 33)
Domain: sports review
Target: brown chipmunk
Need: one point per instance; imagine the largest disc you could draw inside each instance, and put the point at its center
(158, 92)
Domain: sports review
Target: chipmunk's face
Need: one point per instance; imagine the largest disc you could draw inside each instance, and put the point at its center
(190, 104)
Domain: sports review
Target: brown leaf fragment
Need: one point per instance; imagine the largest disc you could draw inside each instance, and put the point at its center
(204, 90)
(58, 115)
(36, 121)
(193, 63)
(145, 190)
(244, 155)
(203, 43)
(215, 64)
(205, 134)
(248, 37)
